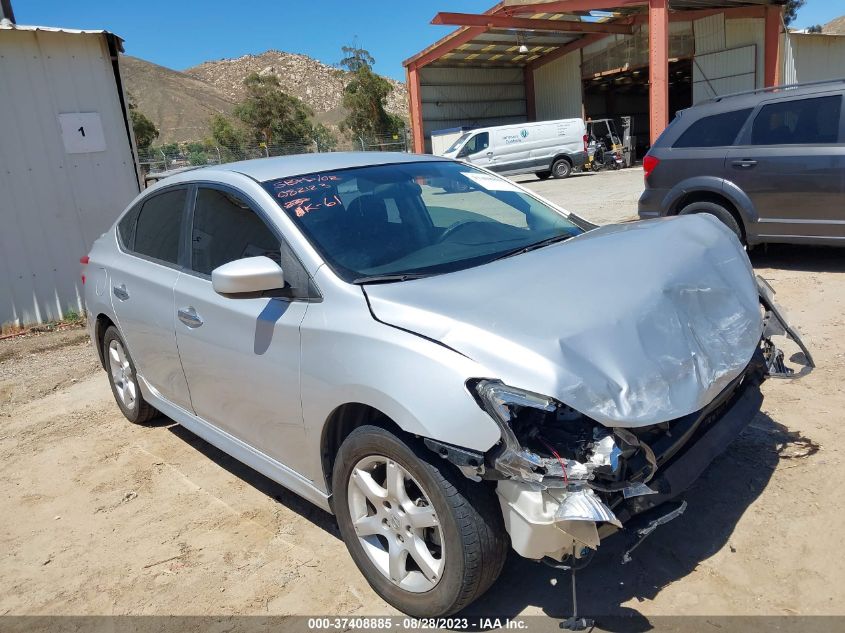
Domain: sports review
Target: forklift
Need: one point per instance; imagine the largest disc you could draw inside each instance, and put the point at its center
(604, 139)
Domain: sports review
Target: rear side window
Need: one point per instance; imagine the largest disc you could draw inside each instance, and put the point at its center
(719, 130)
(226, 229)
(157, 228)
(798, 122)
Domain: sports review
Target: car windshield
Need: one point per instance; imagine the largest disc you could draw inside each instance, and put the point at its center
(400, 221)
(458, 142)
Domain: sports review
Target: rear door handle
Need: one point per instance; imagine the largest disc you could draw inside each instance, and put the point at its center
(745, 163)
(120, 292)
(189, 317)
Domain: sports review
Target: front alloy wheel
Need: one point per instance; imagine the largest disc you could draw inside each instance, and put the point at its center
(427, 539)
(396, 524)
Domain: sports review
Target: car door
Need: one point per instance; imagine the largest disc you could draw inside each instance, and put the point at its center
(791, 164)
(240, 355)
(478, 151)
(141, 287)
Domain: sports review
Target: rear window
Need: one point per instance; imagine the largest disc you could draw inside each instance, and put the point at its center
(719, 130)
(157, 229)
(798, 122)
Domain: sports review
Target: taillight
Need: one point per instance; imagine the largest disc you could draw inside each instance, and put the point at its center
(84, 261)
(649, 164)
(586, 143)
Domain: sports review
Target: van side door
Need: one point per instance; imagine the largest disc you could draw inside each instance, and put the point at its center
(791, 163)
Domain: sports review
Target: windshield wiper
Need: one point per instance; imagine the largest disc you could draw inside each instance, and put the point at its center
(385, 279)
(534, 246)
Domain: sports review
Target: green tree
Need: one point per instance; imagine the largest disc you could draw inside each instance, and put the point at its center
(790, 10)
(145, 130)
(816, 28)
(325, 138)
(271, 115)
(365, 96)
(229, 137)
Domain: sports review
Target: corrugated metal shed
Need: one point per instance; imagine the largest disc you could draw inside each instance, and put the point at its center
(59, 191)
(558, 88)
(471, 97)
(812, 57)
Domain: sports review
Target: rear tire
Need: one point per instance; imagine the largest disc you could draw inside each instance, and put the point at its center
(562, 168)
(543, 175)
(466, 539)
(713, 208)
(124, 379)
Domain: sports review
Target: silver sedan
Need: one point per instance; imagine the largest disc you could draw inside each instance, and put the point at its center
(449, 363)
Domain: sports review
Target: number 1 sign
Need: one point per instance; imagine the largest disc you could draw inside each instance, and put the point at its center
(82, 132)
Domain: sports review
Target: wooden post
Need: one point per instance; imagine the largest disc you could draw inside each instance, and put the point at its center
(415, 108)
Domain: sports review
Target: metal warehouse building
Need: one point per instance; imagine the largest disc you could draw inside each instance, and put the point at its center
(647, 59)
(67, 163)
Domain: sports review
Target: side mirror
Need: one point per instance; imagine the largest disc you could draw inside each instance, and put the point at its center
(464, 152)
(250, 275)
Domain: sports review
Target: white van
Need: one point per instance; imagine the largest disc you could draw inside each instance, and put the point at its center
(546, 148)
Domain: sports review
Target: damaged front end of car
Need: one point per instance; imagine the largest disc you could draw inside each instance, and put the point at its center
(565, 481)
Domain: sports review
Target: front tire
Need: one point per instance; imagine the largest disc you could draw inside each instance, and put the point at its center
(124, 379)
(428, 540)
(562, 168)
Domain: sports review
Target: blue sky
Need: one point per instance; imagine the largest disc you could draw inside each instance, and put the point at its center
(182, 33)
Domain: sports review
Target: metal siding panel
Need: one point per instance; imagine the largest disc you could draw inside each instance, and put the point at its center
(558, 88)
(723, 72)
(817, 57)
(709, 34)
(789, 74)
(745, 32)
(54, 204)
(471, 97)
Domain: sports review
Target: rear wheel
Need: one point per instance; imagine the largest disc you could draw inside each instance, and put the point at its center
(713, 208)
(562, 168)
(543, 175)
(124, 380)
(429, 541)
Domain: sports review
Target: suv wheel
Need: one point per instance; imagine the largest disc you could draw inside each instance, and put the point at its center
(123, 379)
(562, 168)
(713, 208)
(429, 541)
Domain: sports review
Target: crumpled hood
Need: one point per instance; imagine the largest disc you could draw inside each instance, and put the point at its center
(630, 324)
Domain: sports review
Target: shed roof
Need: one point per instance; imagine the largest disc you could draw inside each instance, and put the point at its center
(8, 25)
(489, 41)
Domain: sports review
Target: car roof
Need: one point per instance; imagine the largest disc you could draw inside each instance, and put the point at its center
(264, 169)
(750, 99)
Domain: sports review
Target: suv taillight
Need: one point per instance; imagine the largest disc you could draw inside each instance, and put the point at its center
(586, 143)
(649, 163)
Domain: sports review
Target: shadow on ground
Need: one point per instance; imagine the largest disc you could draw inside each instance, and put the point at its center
(716, 503)
(792, 257)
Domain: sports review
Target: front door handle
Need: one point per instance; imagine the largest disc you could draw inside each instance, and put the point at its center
(120, 292)
(189, 317)
(745, 163)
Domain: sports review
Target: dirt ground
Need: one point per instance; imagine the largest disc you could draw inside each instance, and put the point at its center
(98, 516)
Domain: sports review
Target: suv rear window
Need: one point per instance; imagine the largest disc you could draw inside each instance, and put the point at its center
(718, 130)
(797, 122)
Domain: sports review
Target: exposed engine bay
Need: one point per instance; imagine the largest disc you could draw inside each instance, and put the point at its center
(564, 480)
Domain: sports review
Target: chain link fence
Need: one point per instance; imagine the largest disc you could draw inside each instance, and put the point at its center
(180, 155)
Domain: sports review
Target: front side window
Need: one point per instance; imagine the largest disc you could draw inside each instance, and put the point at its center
(225, 229)
(420, 218)
(157, 229)
(719, 130)
(477, 143)
(798, 122)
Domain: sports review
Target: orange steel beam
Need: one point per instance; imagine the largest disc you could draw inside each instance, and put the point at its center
(568, 6)
(565, 50)
(658, 59)
(772, 46)
(446, 45)
(528, 24)
(695, 14)
(415, 110)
